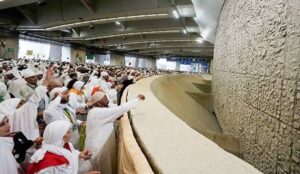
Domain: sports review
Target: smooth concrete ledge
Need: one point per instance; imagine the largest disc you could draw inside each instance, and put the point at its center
(131, 159)
(172, 146)
(189, 97)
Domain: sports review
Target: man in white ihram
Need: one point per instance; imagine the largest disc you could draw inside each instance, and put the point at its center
(100, 135)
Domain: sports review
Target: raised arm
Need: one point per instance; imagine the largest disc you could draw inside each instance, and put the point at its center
(105, 115)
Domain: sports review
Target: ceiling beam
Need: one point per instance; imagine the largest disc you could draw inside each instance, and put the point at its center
(29, 14)
(76, 31)
(170, 47)
(9, 3)
(89, 4)
(176, 50)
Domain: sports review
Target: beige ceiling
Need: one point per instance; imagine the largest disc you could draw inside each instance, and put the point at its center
(145, 27)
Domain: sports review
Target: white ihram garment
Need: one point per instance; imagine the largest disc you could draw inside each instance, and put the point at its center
(53, 142)
(99, 131)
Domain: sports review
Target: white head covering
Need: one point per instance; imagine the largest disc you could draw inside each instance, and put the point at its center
(1, 116)
(39, 73)
(130, 77)
(98, 96)
(14, 72)
(54, 137)
(57, 90)
(28, 73)
(53, 142)
(9, 72)
(78, 85)
(8, 164)
(104, 73)
(8, 107)
(3, 89)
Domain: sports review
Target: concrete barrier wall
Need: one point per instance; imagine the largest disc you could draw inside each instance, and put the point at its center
(189, 97)
(173, 147)
(131, 159)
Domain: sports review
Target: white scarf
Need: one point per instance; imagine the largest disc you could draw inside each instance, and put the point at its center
(53, 142)
(8, 164)
(8, 107)
(21, 119)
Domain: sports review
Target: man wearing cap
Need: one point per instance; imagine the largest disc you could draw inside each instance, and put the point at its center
(14, 82)
(100, 131)
(31, 83)
(59, 109)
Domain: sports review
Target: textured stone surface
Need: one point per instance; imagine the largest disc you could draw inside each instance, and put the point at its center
(257, 80)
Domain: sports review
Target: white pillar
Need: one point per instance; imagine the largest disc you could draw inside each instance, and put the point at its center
(177, 66)
(137, 61)
(55, 52)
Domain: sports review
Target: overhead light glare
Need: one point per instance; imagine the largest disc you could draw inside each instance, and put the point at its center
(170, 40)
(122, 18)
(175, 13)
(135, 33)
(199, 40)
(184, 31)
(118, 23)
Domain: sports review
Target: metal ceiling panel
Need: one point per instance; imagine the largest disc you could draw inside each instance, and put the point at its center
(14, 3)
(207, 17)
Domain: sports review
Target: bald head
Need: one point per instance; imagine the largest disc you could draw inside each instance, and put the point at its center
(54, 83)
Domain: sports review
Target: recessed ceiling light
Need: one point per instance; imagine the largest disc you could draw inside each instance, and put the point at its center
(175, 13)
(199, 40)
(106, 20)
(169, 40)
(131, 34)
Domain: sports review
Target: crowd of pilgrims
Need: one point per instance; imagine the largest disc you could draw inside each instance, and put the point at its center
(58, 118)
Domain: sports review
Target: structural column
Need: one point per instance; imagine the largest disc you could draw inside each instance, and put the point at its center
(55, 52)
(117, 59)
(100, 58)
(177, 66)
(151, 63)
(9, 46)
(137, 61)
(78, 55)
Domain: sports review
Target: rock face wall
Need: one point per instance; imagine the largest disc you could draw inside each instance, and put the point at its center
(256, 80)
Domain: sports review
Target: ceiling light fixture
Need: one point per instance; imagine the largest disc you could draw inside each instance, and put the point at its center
(118, 23)
(175, 13)
(199, 40)
(123, 18)
(169, 40)
(131, 34)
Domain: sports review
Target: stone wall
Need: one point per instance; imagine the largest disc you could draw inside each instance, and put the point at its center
(257, 80)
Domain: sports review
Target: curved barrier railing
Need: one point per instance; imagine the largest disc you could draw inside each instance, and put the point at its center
(131, 159)
(170, 145)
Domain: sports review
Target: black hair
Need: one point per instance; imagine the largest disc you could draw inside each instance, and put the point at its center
(71, 83)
